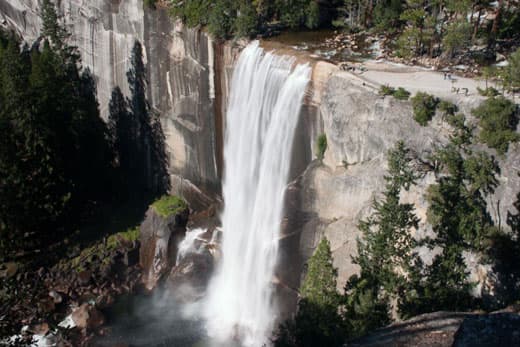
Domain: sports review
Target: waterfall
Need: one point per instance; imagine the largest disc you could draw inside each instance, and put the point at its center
(189, 244)
(265, 101)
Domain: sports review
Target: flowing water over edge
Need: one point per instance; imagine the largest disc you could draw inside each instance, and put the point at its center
(265, 101)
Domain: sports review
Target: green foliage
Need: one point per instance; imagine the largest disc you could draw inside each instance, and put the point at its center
(365, 309)
(447, 108)
(149, 3)
(57, 162)
(226, 18)
(54, 154)
(312, 15)
(401, 94)
(457, 37)
(169, 205)
(317, 322)
(512, 72)
(498, 121)
(321, 145)
(386, 233)
(319, 285)
(384, 251)
(387, 14)
(100, 250)
(457, 212)
(489, 92)
(246, 23)
(386, 90)
(424, 106)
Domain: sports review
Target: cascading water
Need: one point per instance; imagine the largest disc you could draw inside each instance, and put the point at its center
(265, 101)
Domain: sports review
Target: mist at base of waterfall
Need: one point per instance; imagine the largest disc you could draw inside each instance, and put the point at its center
(156, 320)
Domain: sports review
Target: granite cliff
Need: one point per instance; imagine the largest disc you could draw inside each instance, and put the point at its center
(188, 75)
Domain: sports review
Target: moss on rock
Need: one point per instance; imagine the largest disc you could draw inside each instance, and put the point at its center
(169, 205)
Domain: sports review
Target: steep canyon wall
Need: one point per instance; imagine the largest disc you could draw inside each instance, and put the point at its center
(180, 65)
(189, 76)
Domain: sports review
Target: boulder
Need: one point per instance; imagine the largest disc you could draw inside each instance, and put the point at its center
(87, 317)
(497, 329)
(159, 238)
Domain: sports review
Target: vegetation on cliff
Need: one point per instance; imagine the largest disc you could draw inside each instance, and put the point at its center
(448, 29)
(395, 280)
(60, 164)
(169, 205)
(317, 322)
(498, 122)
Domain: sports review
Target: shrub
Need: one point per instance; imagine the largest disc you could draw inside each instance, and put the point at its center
(321, 145)
(424, 106)
(498, 121)
(489, 92)
(386, 90)
(401, 94)
(456, 120)
(447, 108)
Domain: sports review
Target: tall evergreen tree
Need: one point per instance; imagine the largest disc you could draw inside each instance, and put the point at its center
(317, 322)
(385, 253)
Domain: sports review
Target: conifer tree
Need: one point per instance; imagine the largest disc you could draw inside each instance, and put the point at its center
(385, 253)
(317, 322)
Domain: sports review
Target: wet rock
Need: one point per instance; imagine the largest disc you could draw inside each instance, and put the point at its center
(87, 317)
(39, 329)
(55, 296)
(131, 257)
(188, 280)
(159, 238)
(80, 316)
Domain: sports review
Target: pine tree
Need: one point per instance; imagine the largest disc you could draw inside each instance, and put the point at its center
(319, 286)
(385, 252)
(317, 322)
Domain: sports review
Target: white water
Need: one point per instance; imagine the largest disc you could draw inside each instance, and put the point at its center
(189, 244)
(265, 101)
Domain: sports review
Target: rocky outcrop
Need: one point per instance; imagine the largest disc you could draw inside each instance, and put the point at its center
(446, 329)
(330, 197)
(160, 236)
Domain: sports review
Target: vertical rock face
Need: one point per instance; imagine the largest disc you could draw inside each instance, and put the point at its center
(180, 65)
(159, 238)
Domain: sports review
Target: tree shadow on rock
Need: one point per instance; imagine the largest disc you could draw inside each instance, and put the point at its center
(138, 138)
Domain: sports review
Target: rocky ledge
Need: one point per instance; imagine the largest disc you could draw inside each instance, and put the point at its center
(444, 329)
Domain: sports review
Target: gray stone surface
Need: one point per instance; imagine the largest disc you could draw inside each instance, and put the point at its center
(160, 237)
(330, 198)
(449, 329)
(180, 64)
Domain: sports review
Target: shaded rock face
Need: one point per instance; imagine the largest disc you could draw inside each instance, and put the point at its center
(498, 329)
(180, 65)
(159, 239)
